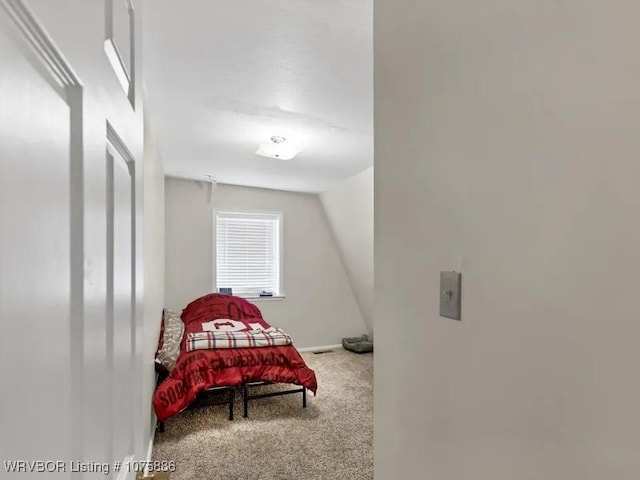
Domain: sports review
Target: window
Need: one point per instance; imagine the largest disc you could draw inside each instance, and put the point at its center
(248, 253)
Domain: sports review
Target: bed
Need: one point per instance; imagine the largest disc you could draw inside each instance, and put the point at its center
(203, 369)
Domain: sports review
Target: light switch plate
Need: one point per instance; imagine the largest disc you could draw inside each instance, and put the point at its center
(450, 294)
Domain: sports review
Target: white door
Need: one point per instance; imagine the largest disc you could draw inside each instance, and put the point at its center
(70, 244)
(35, 257)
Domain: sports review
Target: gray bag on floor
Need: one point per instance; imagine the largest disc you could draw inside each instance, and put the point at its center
(358, 344)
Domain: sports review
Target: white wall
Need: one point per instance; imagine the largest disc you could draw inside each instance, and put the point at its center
(349, 209)
(507, 133)
(319, 308)
(154, 258)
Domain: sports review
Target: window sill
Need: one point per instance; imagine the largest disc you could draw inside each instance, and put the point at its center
(271, 298)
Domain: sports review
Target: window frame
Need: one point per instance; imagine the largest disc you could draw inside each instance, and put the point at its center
(214, 274)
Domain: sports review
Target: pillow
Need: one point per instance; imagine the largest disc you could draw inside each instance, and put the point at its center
(170, 338)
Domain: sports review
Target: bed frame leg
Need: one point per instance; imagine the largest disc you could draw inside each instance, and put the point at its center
(232, 397)
(304, 397)
(245, 400)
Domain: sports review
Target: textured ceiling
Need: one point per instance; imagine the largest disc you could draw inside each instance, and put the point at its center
(223, 76)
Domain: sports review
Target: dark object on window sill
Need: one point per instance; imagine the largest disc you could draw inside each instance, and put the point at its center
(358, 344)
(264, 293)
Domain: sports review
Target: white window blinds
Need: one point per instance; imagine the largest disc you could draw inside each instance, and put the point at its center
(248, 253)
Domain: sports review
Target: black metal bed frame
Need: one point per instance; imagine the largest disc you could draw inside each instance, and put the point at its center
(206, 399)
(230, 397)
(246, 397)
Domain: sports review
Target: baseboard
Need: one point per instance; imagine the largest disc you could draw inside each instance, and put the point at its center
(150, 447)
(321, 348)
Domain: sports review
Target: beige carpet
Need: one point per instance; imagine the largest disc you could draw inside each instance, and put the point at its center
(331, 439)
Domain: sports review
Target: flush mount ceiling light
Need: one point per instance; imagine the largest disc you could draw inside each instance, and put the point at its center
(278, 148)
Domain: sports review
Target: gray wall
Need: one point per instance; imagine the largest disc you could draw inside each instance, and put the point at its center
(349, 208)
(506, 133)
(319, 308)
